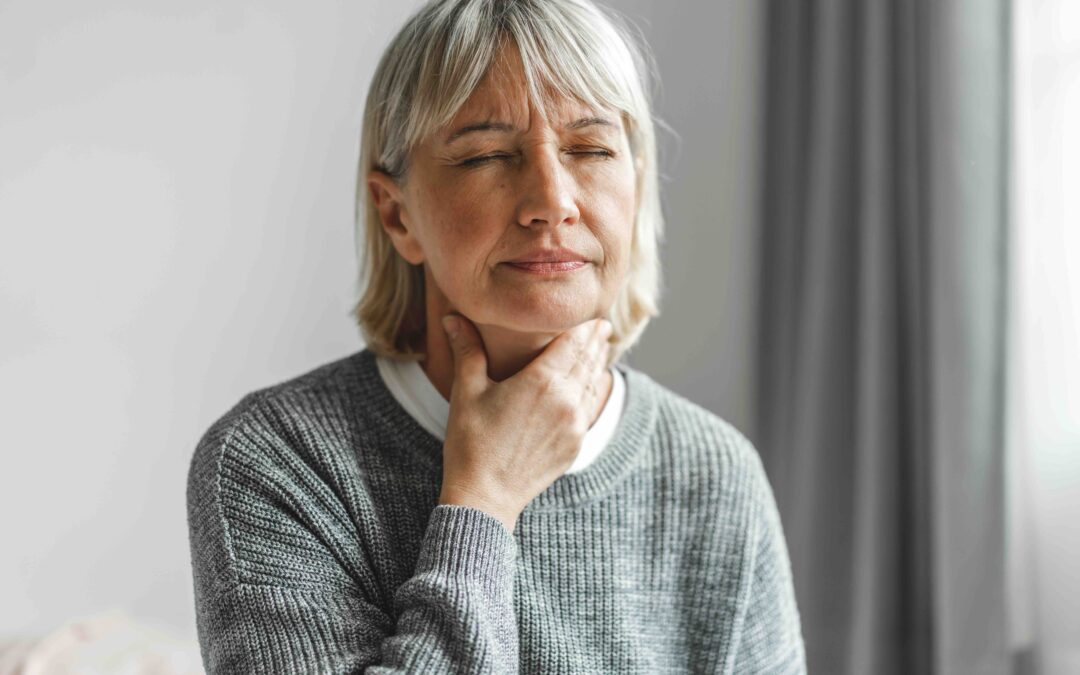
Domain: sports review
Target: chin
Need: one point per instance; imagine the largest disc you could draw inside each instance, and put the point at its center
(529, 312)
(548, 322)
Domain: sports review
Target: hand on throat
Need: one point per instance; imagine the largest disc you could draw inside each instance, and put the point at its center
(508, 351)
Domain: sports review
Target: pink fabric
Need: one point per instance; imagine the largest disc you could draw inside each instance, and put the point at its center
(111, 642)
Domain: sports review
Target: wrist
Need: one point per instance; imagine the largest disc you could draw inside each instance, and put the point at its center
(508, 519)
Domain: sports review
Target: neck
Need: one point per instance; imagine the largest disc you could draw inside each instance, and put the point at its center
(508, 351)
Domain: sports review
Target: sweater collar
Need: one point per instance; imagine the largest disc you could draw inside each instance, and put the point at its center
(622, 455)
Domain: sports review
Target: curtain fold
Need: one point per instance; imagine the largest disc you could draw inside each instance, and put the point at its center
(882, 326)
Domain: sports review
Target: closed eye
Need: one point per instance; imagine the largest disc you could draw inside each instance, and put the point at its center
(472, 161)
(599, 153)
(482, 159)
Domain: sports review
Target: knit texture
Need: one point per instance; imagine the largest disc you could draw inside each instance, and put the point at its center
(318, 545)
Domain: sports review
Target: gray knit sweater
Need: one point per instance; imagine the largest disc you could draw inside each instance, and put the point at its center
(318, 545)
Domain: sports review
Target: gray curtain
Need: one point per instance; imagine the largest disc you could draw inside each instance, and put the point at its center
(882, 326)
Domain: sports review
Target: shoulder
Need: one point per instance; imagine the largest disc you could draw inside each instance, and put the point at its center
(694, 442)
(315, 418)
(276, 466)
(311, 406)
(292, 436)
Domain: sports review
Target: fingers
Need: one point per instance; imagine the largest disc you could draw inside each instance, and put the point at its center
(592, 386)
(568, 349)
(467, 349)
(593, 356)
(578, 354)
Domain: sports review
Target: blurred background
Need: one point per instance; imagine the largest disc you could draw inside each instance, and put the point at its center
(870, 269)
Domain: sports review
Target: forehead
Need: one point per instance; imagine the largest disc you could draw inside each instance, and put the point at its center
(503, 96)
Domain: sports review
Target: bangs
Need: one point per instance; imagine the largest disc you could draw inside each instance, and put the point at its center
(563, 55)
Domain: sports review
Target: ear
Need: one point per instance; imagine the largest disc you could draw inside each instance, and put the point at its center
(389, 200)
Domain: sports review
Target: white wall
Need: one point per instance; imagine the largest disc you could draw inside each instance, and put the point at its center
(176, 185)
(711, 72)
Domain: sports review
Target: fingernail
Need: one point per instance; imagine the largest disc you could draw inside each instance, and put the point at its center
(450, 323)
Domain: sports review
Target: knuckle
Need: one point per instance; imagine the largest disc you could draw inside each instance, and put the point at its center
(540, 378)
(580, 423)
(566, 412)
(544, 379)
(579, 337)
(572, 412)
(584, 357)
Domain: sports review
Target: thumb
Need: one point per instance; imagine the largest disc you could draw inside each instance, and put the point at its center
(470, 359)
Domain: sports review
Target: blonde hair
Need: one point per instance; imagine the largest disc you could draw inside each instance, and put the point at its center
(569, 48)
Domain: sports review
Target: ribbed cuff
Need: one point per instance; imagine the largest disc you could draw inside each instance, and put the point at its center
(466, 543)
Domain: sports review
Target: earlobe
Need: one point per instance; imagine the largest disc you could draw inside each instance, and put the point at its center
(389, 201)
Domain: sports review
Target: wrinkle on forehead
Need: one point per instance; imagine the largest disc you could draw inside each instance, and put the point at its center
(504, 98)
(503, 95)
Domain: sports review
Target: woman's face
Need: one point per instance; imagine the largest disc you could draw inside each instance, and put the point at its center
(500, 183)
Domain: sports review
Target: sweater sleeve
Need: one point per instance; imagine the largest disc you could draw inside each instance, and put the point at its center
(771, 638)
(272, 597)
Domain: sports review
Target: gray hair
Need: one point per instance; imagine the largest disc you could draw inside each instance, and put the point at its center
(569, 48)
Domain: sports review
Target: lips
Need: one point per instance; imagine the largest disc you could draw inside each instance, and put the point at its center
(563, 266)
(549, 255)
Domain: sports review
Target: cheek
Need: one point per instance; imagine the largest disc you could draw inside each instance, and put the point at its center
(612, 203)
(465, 233)
(614, 181)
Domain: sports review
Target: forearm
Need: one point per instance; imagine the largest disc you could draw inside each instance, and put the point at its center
(455, 614)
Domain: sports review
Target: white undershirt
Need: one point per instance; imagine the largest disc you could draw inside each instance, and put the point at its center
(410, 385)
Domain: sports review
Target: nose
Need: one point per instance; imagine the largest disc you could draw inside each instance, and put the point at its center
(547, 191)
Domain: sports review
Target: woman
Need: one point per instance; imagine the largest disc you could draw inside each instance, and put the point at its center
(501, 497)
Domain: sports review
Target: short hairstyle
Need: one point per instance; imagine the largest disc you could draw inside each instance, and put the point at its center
(569, 48)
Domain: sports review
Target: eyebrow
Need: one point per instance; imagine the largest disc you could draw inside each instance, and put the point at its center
(504, 127)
